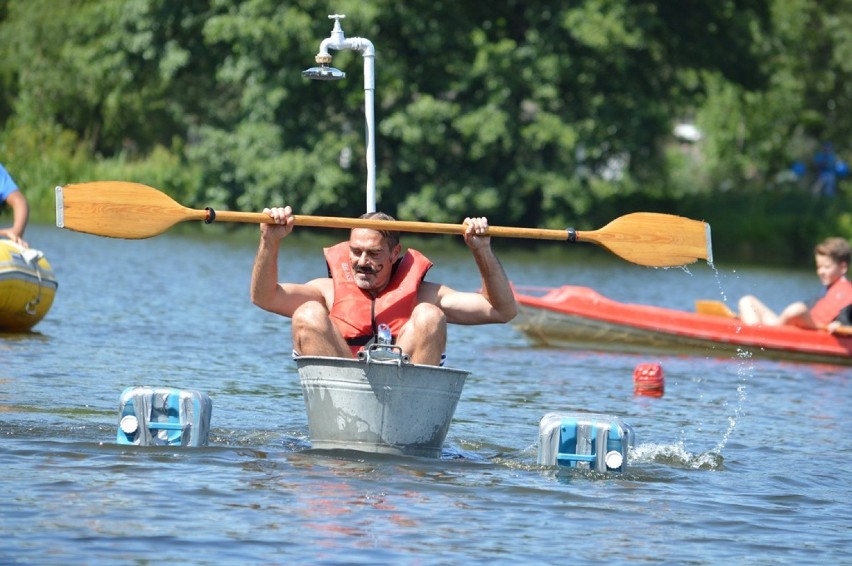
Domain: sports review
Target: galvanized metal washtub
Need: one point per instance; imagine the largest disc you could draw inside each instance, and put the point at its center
(386, 406)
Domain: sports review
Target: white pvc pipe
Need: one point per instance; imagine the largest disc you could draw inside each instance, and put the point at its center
(338, 42)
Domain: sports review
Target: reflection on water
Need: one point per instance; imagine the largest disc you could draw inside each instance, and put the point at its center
(739, 458)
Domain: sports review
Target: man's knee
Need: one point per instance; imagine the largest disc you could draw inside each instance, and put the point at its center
(314, 334)
(424, 336)
(428, 318)
(427, 325)
(311, 315)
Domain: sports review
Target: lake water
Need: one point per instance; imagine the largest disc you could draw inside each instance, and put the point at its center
(742, 461)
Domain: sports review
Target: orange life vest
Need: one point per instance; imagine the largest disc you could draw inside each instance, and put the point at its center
(357, 314)
(837, 296)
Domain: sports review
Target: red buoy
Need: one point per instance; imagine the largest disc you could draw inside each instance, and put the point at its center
(648, 380)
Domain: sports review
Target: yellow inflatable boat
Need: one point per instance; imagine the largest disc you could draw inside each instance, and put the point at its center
(27, 287)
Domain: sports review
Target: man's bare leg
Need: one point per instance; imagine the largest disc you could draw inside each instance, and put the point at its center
(315, 335)
(424, 336)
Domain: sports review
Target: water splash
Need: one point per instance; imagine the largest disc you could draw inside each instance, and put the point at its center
(718, 277)
(676, 455)
(745, 369)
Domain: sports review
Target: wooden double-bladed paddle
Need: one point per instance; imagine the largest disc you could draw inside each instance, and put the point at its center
(119, 209)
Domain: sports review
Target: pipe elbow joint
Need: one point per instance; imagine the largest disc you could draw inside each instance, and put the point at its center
(361, 45)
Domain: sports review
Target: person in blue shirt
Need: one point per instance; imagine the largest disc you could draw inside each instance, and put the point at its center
(825, 161)
(12, 197)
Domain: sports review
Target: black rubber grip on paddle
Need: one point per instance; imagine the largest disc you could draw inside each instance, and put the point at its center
(572, 235)
(211, 215)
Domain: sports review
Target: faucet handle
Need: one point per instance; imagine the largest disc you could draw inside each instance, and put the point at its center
(336, 31)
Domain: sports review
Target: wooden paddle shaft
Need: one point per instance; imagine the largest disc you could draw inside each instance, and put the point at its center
(394, 225)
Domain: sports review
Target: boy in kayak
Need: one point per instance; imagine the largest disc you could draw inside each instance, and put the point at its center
(10, 195)
(832, 263)
(374, 283)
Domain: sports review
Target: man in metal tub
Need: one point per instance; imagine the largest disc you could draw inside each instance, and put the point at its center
(374, 283)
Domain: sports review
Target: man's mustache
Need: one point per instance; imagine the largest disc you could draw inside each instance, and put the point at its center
(368, 270)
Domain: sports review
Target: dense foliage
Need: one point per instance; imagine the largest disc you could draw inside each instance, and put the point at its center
(533, 113)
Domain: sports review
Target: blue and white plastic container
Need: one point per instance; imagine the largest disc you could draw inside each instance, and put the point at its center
(584, 440)
(163, 416)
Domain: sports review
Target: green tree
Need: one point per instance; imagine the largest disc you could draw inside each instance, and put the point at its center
(125, 75)
(755, 135)
(529, 112)
(526, 112)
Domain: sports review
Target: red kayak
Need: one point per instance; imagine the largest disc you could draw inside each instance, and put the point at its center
(579, 317)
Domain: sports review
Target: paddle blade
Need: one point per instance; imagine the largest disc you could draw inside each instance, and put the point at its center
(714, 308)
(653, 239)
(119, 209)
